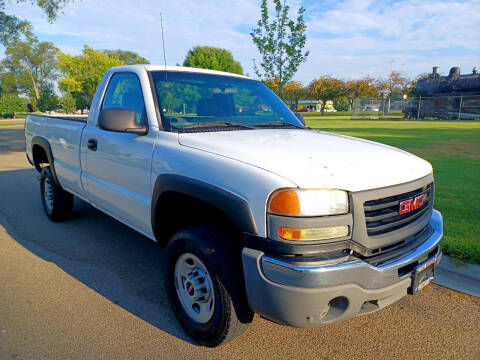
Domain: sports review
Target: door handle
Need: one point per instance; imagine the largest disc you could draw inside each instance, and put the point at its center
(92, 144)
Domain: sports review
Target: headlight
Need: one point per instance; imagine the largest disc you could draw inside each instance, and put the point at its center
(299, 202)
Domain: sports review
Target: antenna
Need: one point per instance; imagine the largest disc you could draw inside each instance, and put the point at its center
(163, 45)
(165, 63)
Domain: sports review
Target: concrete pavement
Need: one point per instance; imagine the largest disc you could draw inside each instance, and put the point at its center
(91, 288)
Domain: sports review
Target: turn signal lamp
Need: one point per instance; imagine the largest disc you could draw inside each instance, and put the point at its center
(313, 234)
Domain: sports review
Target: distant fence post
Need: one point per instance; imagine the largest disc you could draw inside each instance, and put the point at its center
(460, 108)
(418, 106)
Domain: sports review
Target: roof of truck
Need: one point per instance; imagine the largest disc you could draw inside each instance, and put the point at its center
(177, 68)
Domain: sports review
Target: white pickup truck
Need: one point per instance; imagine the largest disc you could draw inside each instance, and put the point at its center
(258, 213)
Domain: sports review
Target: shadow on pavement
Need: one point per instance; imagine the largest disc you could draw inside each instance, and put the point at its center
(11, 140)
(105, 255)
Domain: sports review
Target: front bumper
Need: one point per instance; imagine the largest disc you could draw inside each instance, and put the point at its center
(310, 296)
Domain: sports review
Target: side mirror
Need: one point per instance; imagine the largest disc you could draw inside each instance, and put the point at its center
(300, 117)
(120, 120)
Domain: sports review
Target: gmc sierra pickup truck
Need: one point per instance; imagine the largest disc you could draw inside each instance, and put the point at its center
(258, 213)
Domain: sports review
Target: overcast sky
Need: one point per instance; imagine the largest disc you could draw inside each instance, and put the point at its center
(346, 38)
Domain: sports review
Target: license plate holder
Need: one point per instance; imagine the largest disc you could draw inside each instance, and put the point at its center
(422, 275)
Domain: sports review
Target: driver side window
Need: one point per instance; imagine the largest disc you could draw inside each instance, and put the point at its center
(124, 92)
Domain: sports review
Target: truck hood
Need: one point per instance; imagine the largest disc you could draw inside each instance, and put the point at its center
(314, 159)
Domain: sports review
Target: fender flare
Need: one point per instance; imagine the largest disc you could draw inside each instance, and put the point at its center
(45, 145)
(236, 208)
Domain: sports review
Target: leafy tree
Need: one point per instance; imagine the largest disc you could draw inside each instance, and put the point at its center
(128, 57)
(360, 88)
(293, 92)
(48, 100)
(12, 28)
(341, 103)
(326, 88)
(30, 65)
(207, 57)
(395, 83)
(68, 104)
(8, 81)
(11, 103)
(280, 42)
(272, 84)
(82, 73)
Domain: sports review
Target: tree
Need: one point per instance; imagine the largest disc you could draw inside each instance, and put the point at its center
(82, 73)
(12, 28)
(393, 84)
(207, 57)
(128, 57)
(272, 84)
(11, 103)
(280, 43)
(48, 100)
(293, 92)
(30, 65)
(360, 88)
(326, 88)
(68, 104)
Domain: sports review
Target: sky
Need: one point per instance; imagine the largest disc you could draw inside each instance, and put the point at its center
(346, 39)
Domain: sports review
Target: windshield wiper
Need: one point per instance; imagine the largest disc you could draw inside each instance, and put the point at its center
(279, 123)
(218, 123)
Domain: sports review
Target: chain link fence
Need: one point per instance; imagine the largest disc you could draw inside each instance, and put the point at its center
(377, 109)
(460, 107)
(455, 107)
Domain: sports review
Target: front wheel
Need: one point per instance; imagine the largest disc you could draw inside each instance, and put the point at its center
(206, 293)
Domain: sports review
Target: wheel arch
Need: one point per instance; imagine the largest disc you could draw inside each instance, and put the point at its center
(177, 193)
(42, 153)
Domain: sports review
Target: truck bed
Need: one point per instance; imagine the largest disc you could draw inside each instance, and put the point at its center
(64, 134)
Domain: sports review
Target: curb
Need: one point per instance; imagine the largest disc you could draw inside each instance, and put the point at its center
(464, 278)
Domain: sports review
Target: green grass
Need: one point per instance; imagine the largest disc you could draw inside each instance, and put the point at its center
(453, 148)
(329, 114)
(10, 124)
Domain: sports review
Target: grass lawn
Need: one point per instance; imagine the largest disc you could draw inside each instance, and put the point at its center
(454, 151)
(7, 123)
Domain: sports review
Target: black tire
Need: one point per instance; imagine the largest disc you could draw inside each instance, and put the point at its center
(231, 314)
(57, 203)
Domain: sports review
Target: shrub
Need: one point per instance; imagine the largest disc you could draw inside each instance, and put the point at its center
(11, 103)
(68, 103)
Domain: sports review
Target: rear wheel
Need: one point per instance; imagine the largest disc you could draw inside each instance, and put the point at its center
(205, 286)
(57, 203)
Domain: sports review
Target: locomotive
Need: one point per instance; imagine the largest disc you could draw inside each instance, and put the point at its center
(451, 97)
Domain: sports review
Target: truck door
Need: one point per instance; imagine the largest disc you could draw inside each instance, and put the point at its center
(117, 166)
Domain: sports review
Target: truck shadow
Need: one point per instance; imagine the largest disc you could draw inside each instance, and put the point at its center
(105, 255)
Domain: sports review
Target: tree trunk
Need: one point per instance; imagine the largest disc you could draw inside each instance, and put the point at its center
(35, 86)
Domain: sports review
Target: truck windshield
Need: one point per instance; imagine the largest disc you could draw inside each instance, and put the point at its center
(194, 102)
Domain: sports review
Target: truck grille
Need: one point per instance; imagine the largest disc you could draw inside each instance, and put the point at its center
(383, 215)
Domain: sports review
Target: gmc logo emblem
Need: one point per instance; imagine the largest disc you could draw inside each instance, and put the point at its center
(409, 205)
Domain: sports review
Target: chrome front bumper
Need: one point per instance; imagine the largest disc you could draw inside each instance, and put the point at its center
(303, 296)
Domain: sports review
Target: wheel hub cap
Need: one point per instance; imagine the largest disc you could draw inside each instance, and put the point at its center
(194, 288)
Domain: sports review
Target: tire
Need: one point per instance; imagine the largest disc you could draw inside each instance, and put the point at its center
(57, 203)
(212, 308)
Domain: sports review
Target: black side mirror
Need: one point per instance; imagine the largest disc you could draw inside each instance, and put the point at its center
(300, 117)
(120, 120)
